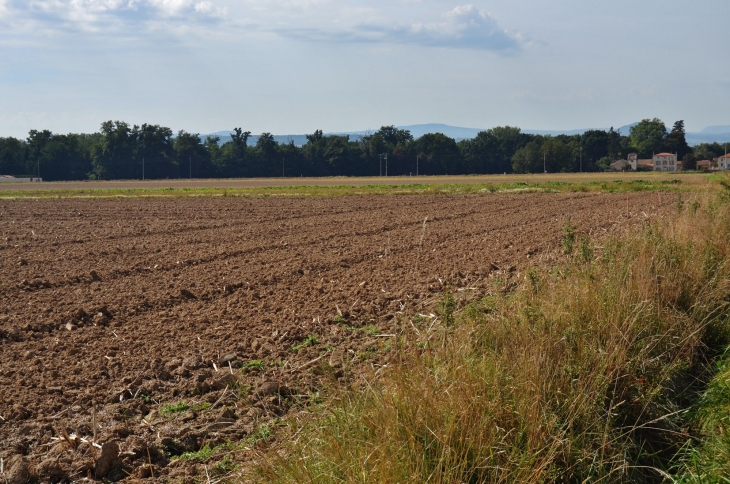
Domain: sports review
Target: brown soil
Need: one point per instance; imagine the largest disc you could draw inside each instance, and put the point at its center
(111, 310)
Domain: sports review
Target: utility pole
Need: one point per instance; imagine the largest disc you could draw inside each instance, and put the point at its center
(544, 165)
(417, 164)
(581, 159)
(386, 164)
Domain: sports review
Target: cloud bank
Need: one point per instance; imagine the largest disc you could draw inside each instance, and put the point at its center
(464, 27)
(97, 14)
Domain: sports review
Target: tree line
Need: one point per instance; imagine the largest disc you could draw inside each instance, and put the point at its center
(121, 151)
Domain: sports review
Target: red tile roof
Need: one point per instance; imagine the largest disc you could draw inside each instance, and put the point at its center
(724, 156)
(664, 154)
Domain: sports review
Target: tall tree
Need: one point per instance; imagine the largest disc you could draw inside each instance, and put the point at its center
(528, 159)
(676, 141)
(595, 144)
(12, 157)
(614, 144)
(235, 154)
(192, 156)
(154, 151)
(648, 136)
(491, 151)
(114, 154)
(439, 155)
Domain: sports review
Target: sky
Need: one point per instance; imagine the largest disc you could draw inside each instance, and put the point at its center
(291, 67)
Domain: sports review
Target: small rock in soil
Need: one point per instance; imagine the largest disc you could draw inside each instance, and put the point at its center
(101, 319)
(70, 326)
(187, 294)
(95, 275)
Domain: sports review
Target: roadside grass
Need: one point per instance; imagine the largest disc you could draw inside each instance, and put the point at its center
(596, 371)
(708, 462)
(606, 183)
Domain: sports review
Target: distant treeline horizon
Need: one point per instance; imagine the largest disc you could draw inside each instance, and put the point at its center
(122, 151)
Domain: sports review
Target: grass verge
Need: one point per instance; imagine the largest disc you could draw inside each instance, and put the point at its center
(606, 184)
(585, 373)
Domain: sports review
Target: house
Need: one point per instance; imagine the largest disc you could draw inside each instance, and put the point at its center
(723, 162)
(704, 165)
(633, 159)
(629, 164)
(621, 165)
(665, 162)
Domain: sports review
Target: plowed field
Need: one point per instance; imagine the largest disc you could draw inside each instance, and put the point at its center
(156, 326)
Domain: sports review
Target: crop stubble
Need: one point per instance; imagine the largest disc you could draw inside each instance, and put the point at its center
(112, 309)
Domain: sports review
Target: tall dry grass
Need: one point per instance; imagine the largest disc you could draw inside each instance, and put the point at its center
(583, 374)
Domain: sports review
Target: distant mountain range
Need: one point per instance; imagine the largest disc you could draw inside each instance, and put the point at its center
(711, 134)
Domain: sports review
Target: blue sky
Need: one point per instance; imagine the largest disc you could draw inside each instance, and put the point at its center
(291, 67)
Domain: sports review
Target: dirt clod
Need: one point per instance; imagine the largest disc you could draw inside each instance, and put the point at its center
(107, 460)
(19, 472)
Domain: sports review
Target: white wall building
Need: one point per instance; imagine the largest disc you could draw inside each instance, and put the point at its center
(723, 162)
(665, 162)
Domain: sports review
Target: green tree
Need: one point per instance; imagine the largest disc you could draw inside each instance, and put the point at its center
(113, 156)
(595, 144)
(154, 152)
(648, 136)
(491, 151)
(268, 162)
(613, 146)
(393, 136)
(528, 159)
(12, 157)
(192, 156)
(438, 155)
(676, 142)
(233, 157)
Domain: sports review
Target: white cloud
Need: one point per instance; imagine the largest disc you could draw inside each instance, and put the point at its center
(87, 14)
(463, 27)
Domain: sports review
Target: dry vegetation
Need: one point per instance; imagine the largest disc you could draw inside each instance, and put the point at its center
(591, 372)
